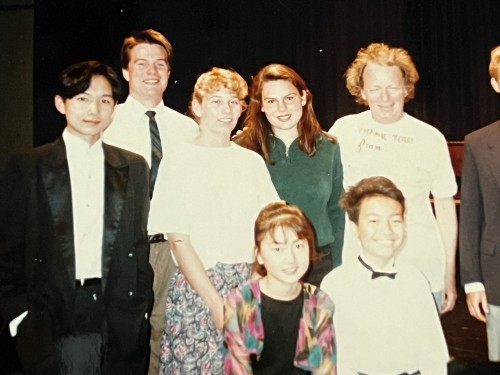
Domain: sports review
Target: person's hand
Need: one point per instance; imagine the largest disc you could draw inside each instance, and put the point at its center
(478, 305)
(217, 311)
(450, 294)
(239, 131)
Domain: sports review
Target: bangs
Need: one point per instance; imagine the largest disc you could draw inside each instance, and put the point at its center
(286, 221)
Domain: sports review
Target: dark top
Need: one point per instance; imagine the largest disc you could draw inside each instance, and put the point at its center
(281, 324)
(314, 184)
(37, 267)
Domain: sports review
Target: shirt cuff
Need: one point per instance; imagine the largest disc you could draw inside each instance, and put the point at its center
(15, 323)
(475, 286)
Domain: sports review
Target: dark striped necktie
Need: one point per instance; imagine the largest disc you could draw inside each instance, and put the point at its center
(156, 150)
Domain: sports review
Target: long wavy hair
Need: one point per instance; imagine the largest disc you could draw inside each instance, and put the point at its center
(258, 128)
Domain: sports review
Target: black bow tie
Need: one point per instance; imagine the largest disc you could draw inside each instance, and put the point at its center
(376, 274)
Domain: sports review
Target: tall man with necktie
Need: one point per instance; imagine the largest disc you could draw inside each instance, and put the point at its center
(144, 125)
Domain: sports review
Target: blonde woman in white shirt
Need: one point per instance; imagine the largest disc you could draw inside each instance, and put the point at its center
(214, 190)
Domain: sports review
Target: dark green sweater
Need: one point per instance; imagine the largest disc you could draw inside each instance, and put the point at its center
(314, 184)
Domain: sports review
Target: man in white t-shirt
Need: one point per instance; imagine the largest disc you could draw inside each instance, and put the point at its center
(385, 141)
(144, 125)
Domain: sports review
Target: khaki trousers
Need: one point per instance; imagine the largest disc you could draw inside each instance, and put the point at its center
(164, 267)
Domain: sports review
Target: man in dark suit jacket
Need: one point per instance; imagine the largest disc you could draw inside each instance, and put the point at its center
(480, 222)
(75, 281)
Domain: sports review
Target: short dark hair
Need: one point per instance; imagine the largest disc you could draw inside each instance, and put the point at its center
(148, 36)
(366, 188)
(76, 78)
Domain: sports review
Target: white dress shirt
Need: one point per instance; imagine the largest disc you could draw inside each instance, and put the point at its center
(130, 130)
(385, 326)
(86, 171)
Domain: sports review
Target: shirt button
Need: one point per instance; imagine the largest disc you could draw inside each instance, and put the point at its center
(130, 293)
(130, 255)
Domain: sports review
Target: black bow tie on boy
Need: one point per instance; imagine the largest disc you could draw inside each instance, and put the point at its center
(376, 274)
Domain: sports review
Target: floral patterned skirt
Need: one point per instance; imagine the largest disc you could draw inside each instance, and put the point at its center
(191, 344)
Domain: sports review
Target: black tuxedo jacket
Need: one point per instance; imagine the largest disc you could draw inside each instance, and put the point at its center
(480, 211)
(37, 262)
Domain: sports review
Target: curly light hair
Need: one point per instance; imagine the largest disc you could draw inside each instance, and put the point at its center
(216, 79)
(381, 54)
(494, 67)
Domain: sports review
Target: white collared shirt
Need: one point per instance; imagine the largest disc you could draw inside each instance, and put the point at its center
(86, 171)
(130, 130)
(385, 326)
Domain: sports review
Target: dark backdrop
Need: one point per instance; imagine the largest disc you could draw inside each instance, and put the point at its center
(449, 40)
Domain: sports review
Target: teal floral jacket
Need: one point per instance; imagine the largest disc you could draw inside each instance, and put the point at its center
(244, 332)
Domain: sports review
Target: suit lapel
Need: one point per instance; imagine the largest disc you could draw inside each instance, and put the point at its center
(56, 180)
(54, 173)
(116, 174)
(493, 150)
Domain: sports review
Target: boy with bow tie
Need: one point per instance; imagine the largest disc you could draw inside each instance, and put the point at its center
(385, 318)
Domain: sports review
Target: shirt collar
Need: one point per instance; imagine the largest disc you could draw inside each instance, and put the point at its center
(77, 146)
(139, 108)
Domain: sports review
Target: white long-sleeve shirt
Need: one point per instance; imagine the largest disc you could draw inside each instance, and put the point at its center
(385, 326)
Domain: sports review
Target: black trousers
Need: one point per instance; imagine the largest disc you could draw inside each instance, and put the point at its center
(81, 351)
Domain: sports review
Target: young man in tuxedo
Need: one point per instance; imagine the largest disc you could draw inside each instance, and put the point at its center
(76, 284)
